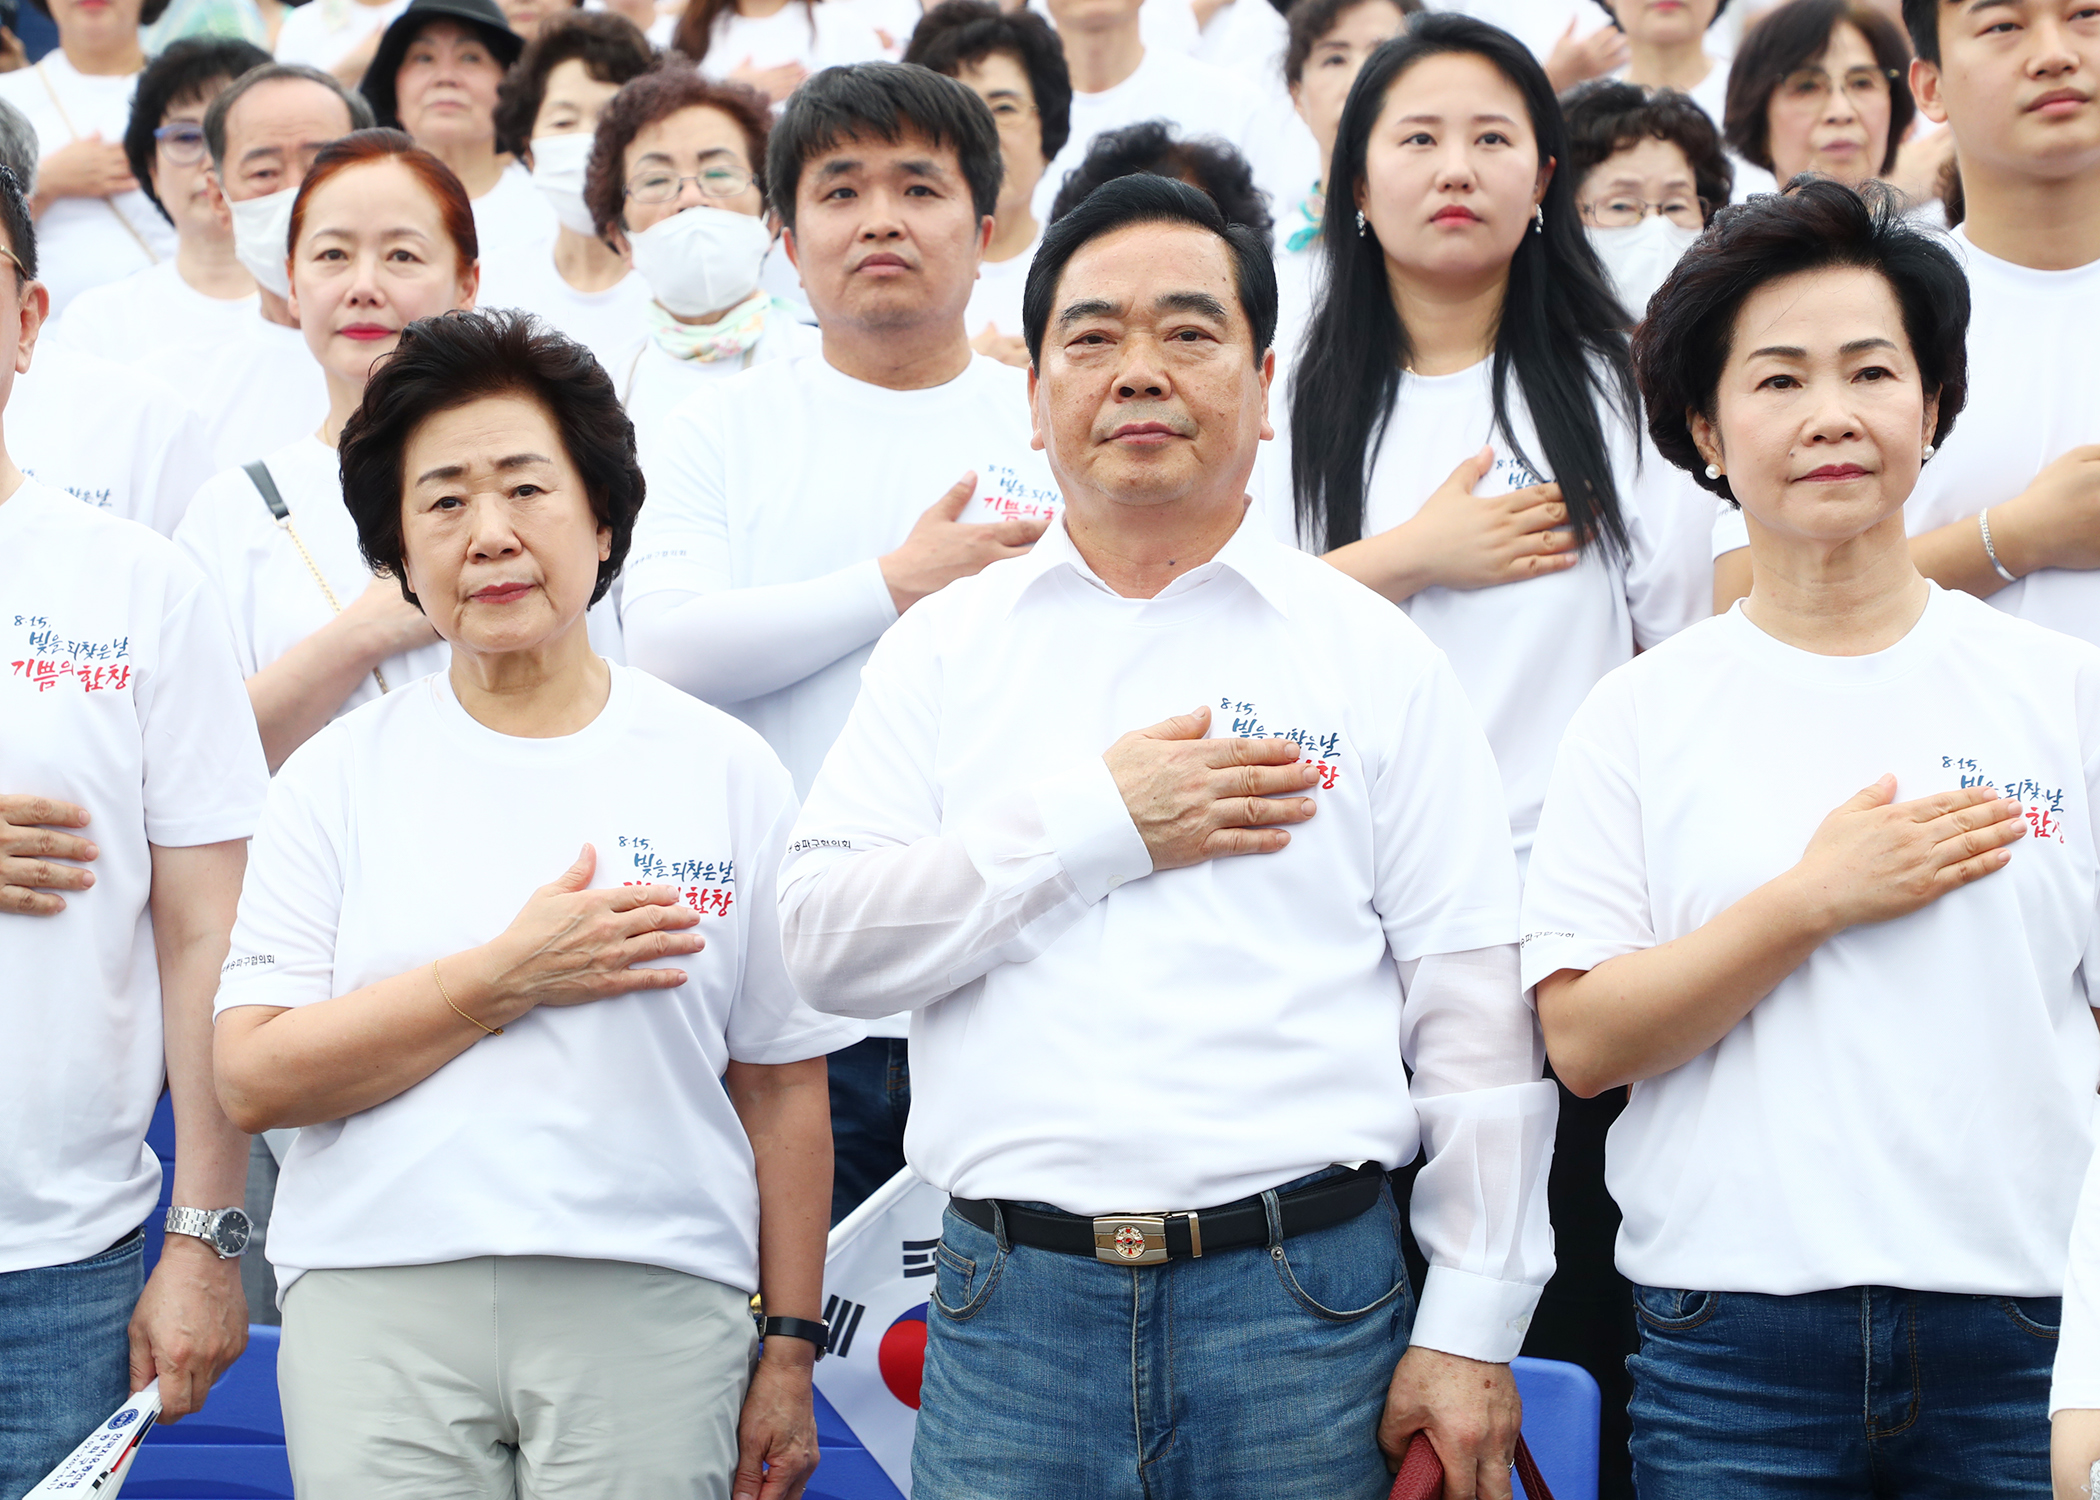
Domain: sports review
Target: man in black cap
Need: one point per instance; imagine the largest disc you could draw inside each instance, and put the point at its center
(435, 76)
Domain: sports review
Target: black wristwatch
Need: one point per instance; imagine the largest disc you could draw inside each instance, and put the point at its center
(813, 1329)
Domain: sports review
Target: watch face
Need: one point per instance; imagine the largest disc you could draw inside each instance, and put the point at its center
(230, 1235)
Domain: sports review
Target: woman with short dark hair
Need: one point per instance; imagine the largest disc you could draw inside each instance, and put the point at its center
(1821, 86)
(552, 1140)
(1648, 169)
(1816, 878)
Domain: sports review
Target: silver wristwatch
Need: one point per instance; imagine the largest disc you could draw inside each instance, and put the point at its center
(224, 1229)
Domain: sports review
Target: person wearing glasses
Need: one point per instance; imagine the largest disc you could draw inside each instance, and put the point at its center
(1649, 170)
(1014, 62)
(1819, 86)
(675, 185)
(202, 291)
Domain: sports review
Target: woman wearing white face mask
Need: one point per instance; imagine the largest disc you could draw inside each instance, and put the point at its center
(1648, 170)
(380, 235)
(553, 97)
(675, 181)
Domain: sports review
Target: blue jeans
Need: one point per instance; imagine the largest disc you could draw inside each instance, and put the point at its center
(870, 1100)
(1866, 1391)
(1250, 1374)
(65, 1364)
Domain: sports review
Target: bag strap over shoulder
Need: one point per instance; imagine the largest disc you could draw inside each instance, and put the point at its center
(259, 473)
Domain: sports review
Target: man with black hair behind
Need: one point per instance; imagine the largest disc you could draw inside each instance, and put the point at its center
(1207, 165)
(130, 779)
(797, 510)
(1137, 827)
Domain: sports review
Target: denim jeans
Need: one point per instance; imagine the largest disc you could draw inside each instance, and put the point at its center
(870, 1100)
(65, 1364)
(1866, 1392)
(1250, 1374)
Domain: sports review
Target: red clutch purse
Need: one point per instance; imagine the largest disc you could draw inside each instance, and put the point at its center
(1421, 1474)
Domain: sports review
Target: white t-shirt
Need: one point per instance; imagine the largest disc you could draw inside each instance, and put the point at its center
(600, 1131)
(514, 226)
(818, 35)
(148, 311)
(1913, 1106)
(996, 298)
(606, 322)
(1527, 653)
(112, 436)
(321, 33)
(254, 392)
(84, 242)
(1538, 24)
(2034, 394)
(2076, 1386)
(118, 692)
(652, 383)
(271, 597)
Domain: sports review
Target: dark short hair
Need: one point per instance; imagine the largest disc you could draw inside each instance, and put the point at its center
(1312, 19)
(611, 48)
(673, 85)
(1146, 199)
(885, 101)
(360, 109)
(454, 359)
(1151, 146)
(957, 33)
(16, 223)
(194, 68)
(1921, 18)
(1607, 116)
(1680, 349)
(1793, 36)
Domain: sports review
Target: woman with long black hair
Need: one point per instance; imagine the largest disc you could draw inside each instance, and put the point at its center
(1465, 439)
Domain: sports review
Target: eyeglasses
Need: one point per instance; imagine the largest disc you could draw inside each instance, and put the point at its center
(1813, 85)
(21, 271)
(660, 185)
(1623, 213)
(1011, 114)
(181, 143)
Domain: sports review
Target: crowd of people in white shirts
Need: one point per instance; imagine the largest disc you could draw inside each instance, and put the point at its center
(745, 340)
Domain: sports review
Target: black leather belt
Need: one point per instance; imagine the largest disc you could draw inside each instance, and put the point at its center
(1148, 1239)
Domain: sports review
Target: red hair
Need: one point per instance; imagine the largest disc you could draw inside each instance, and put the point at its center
(362, 148)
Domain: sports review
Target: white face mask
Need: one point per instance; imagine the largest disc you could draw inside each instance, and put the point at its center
(1640, 257)
(261, 227)
(702, 260)
(558, 164)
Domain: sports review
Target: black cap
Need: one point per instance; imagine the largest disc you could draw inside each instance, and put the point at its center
(485, 16)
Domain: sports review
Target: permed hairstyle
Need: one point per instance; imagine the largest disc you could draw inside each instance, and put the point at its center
(1146, 199)
(1207, 164)
(959, 33)
(1560, 338)
(611, 48)
(886, 102)
(671, 86)
(18, 226)
(1793, 36)
(450, 361)
(1310, 20)
(192, 70)
(1607, 116)
(1681, 348)
(360, 108)
(363, 148)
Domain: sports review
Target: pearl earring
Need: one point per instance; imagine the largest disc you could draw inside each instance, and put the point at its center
(1713, 471)
(1538, 218)
(1926, 456)
(1363, 225)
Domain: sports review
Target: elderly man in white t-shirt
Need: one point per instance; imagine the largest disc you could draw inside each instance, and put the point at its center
(1168, 982)
(130, 778)
(796, 510)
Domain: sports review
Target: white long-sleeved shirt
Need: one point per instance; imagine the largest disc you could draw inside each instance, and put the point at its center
(1094, 1035)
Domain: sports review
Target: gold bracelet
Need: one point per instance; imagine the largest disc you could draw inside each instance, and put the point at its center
(434, 974)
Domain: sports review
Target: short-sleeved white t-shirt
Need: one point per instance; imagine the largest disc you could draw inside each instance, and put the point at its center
(149, 311)
(996, 298)
(321, 33)
(514, 225)
(112, 436)
(254, 392)
(2076, 1382)
(818, 36)
(84, 242)
(118, 693)
(596, 1131)
(1912, 1106)
(607, 323)
(1527, 653)
(652, 383)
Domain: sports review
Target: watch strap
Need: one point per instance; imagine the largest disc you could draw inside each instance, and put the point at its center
(199, 1223)
(814, 1330)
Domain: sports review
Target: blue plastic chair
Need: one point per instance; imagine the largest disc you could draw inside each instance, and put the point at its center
(233, 1449)
(1562, 1409)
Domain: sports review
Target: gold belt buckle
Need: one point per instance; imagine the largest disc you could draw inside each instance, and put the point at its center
(1131, 1239)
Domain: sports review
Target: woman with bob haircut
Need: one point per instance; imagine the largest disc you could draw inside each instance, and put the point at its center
(1817, 879)
(1821, 86)
(552, 1140)
(381, 235)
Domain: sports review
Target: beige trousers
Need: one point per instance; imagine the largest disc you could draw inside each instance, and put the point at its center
(513, 1378)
